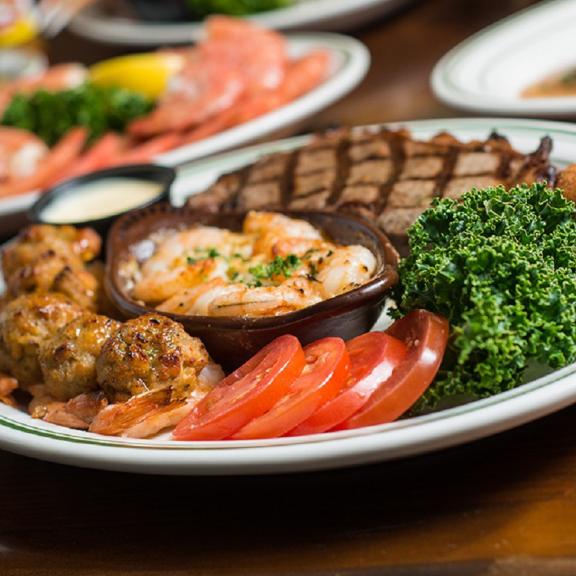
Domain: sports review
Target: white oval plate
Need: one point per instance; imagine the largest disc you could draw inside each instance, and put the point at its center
(487, 72)
(93, 23)
(350, 61)
(20, 433)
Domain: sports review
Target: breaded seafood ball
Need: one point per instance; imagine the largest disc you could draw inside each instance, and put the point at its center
(27, 323)
(147, 353)
(68, 360)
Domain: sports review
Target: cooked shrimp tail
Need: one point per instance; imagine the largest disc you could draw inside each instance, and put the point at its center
(141, 416)
(77, 413)
(7, 386)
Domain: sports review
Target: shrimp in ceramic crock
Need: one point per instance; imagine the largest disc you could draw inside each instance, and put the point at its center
(278, 265)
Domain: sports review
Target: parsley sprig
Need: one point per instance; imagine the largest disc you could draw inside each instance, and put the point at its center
(203, 254)
(278, 267)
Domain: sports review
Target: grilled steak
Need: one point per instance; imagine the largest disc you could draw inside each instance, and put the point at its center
(385, 176)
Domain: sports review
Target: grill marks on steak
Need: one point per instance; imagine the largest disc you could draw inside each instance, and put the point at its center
(385, 176)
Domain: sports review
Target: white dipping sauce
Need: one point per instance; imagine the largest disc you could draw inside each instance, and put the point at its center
(99, 199)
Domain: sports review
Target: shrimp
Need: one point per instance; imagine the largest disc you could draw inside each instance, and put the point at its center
(305, 74)
(201, 91)
(348, 267)
(155, 288)
(214, 125)
(78, 413)
(301, 76)
(146, 414)
(216, 76)
(337, 269)
(102, 154)
(262, 61)
(148, 150)
(194, 300)
(242, 300)
(184, 259)
(270, 227)
(66, 151)
(21, 153)
(7, 386)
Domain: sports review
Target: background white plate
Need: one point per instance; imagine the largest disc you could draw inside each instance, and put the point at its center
(350, 61)
(20, 433)
(487, 72)
(93, 23)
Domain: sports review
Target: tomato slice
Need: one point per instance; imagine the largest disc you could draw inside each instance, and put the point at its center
(373, 357)
(246, 394)
(426, 335)
(325, 373)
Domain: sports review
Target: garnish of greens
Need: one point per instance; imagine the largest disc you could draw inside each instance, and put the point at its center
(202, 8)
(501, 267)
(279, 267)
(203, 254)
(569, 78)
(50, 115)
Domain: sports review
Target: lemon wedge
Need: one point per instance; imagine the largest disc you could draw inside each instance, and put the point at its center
(20, 32)
(147, 73)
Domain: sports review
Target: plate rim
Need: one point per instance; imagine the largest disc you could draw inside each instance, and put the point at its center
(453, 94)
(123, 31)
(466, 423)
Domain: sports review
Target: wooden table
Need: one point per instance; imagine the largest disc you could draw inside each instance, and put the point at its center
(502, 506)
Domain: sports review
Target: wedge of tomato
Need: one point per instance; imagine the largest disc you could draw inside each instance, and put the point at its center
(246, 394)
(373, 357)
(324, 375)
(426, 336)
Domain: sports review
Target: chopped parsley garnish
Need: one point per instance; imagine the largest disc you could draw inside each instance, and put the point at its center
(203, 254)
(309, 252)
(233, 274)
(569, 78)
(278, 267)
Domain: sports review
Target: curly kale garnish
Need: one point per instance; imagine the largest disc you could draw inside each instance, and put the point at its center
(501, 266)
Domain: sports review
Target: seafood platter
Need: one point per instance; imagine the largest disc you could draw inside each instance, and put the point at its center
(342, 298)
(170, 106)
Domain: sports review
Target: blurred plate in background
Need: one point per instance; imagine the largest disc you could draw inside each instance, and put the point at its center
(488, 72)
(96, 24)
(349, 63)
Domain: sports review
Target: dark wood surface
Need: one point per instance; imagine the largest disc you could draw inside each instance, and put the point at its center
(501, 506)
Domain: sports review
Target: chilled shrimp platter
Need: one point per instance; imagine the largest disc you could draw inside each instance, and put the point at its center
(238, 335)
(170, 106)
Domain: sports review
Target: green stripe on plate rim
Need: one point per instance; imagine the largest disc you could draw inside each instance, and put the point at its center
(460, 52)
(510, 395)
